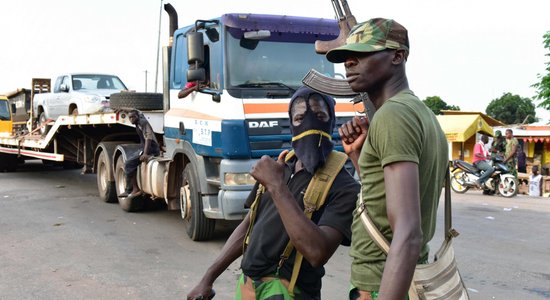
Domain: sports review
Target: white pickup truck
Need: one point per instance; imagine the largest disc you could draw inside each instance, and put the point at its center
(74, 94)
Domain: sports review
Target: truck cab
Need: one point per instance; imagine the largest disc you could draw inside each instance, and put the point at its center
(248, 67)
(6, 122)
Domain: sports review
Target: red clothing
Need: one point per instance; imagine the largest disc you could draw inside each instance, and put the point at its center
(479, 148)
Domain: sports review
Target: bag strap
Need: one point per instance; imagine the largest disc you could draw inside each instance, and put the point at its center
(380, 240)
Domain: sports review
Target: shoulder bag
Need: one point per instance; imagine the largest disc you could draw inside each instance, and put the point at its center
(439, 279)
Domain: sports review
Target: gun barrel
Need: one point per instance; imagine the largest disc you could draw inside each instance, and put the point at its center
(338, 10)
(345, 6)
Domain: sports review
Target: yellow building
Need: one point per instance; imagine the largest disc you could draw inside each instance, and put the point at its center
(461, 129)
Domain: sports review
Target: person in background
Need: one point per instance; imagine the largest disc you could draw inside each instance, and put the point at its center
(498, 147)
(402, 161)
(522, 160)
(535, 186)
(481, 155)
(149, 147)
(511, 152)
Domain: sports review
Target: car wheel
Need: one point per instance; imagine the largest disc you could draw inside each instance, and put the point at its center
(44, 128)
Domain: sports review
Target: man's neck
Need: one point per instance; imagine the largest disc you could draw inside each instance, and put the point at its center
(392, 88)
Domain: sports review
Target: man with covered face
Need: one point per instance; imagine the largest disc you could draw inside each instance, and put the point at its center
(280, 213)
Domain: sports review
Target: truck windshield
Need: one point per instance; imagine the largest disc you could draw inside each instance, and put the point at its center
(4, 110)
(272, 64)
(96, 82)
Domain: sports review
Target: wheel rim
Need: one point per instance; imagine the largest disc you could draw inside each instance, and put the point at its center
(102, 173)
(121, 180)
(185, 202)
(507, 187)
(42, 123)
(455, 182)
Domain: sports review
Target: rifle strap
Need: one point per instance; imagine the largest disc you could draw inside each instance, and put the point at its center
(315, 196)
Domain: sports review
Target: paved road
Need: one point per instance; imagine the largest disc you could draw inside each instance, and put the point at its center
(58, 241)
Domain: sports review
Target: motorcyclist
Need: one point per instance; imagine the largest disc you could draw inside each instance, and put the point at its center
(481, 155)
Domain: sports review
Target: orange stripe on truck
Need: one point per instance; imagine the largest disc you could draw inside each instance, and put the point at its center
(259, 108)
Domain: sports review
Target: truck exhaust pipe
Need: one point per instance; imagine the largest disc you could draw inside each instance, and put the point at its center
(173, 15)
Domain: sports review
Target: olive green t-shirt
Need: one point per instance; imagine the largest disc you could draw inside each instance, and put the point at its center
(402, 130)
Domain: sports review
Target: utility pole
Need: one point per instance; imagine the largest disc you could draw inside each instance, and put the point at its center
(158, 49)
(146, 81)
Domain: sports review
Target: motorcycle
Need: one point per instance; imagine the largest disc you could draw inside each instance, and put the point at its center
(464, 176)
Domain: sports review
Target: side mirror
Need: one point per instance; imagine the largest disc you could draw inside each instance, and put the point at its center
(13, 108)
(63, 87)
(195, 48)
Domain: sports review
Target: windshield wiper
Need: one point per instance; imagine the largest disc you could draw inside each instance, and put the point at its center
(267, 84)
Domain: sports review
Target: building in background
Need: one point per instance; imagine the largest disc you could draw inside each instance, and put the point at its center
(462, 129)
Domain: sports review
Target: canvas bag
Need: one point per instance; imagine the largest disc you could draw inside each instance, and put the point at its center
(439, 279)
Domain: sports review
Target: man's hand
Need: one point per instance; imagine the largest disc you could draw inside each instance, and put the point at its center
(144, 157)
(202, 289)
(353, 134)
(268, 172)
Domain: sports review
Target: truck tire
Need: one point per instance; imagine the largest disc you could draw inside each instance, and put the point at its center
(127, 204)
(106, 188)
(198, 226)
(141, 101)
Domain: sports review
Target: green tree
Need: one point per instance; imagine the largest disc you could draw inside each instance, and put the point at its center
(512, 109)
(543, 87)
(437, 105)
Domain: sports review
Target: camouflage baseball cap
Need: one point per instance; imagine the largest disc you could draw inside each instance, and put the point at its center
(371, 36)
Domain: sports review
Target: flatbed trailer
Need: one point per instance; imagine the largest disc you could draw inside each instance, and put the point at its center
(75, 138)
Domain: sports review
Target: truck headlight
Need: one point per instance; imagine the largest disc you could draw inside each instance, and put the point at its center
(238, 179)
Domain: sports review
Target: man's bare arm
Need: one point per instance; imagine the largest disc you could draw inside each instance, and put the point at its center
(403, 209)
(230, 252)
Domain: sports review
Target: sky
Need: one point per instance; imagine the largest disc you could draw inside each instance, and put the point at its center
(467, 52)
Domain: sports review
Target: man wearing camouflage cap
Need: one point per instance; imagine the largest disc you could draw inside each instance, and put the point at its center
(401, 162)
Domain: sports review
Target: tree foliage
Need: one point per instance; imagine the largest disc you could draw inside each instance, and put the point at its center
(437, 105)
(512, 109)
(543, 87)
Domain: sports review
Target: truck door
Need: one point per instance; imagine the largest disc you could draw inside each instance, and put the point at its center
(5, 118)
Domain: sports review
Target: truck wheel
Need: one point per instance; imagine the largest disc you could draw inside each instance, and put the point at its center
(106, 188)
(141, 101)
(127, 204)
(41, 122)
(198, 226)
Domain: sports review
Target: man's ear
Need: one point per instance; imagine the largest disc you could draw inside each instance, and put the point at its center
(399, 56)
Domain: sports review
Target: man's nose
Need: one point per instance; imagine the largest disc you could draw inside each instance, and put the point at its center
(350, 62)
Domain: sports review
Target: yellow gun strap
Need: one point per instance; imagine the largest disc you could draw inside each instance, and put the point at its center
(314, 198)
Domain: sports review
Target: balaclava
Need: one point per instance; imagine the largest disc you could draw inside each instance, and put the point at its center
(312, 140)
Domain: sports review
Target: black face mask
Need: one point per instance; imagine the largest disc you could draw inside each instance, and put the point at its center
(312, 140)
